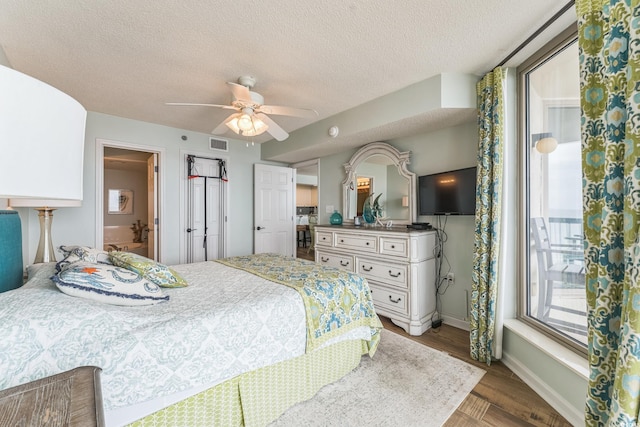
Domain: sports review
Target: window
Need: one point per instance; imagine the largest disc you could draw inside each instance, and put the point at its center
(553, 296)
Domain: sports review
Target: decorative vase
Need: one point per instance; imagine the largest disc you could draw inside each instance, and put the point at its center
(335, 218)
(367, 214)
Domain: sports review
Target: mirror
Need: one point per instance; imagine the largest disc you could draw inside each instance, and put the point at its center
(380, 169)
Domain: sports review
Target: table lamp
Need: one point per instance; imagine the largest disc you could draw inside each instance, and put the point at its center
(41, 149)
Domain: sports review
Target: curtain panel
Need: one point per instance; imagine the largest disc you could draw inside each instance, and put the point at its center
(609, 43)
(484, 291)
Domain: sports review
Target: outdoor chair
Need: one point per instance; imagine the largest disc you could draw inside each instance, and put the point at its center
(556, 263)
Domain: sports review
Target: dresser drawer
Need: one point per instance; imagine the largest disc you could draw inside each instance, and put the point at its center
(387, 273)
(324, 238)
(392, 300)
(359, 242)
(394, 246)
(333, 260)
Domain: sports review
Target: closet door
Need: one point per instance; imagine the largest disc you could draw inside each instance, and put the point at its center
(205, 232)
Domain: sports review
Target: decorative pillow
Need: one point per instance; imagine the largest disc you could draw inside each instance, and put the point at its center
(73, 254)
(158, 273)
(107, 284)
(39, 275)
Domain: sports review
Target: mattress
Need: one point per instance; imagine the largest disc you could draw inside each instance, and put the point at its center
(225, 323)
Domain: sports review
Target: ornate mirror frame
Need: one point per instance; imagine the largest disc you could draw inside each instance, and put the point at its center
(400, 159)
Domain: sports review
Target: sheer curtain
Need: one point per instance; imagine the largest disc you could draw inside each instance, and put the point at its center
(609, 42)
(484, 341)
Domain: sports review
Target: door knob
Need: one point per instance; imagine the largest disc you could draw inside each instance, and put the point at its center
(260, 228)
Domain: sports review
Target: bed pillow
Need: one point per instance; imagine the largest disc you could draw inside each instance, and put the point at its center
(107, 284)
(151, 270)
(39, 275)
(73, 254)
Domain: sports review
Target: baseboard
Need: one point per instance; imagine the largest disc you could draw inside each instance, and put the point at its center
(559, 403)
(457, 323)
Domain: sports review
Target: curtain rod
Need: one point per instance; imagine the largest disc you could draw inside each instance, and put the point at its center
(537, 32)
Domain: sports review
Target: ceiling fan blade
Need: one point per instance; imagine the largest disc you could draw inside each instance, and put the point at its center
(274, 129)
(280, 110)
(187, 104)
(222, 127)
(240, 93)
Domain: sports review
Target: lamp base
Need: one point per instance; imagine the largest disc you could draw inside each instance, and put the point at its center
(45, 251)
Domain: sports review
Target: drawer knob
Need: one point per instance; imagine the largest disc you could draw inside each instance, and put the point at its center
(341, 241)
(396, 301)
(324, 238)
(364, 267)
(394, 275)
(323, 259)
(367, 243)
(344, 264)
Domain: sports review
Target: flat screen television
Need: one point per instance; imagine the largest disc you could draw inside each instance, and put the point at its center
(448, 193)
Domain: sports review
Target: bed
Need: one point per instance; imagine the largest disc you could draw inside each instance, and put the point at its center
(246, 339)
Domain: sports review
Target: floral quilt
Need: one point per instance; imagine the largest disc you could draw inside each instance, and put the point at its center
(335, 300)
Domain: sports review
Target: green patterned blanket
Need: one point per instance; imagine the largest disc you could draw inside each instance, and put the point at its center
(336, 301)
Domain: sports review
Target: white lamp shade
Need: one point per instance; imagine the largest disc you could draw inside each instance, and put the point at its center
(44, 203)
(41, 140)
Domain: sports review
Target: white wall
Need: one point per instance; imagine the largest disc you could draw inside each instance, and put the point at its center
(77, 225)
(4, 61)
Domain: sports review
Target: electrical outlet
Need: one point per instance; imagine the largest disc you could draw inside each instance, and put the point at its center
(450, 279)
(328, 209)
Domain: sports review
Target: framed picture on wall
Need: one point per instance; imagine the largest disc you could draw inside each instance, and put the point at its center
(120, 202)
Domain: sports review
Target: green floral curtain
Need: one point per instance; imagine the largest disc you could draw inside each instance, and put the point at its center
(609, 42)
(487, 223)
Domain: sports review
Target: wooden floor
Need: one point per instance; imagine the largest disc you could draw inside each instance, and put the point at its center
(499, 399)
(302, 253)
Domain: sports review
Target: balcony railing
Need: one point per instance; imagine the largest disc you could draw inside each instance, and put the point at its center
(567, 313)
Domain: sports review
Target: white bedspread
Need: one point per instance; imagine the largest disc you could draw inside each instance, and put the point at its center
(225, 323)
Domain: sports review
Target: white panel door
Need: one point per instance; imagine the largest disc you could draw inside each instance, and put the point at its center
(206, 213)
(274, 210)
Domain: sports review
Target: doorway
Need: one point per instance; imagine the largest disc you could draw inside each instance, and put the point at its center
(307, 202)
(127, 198)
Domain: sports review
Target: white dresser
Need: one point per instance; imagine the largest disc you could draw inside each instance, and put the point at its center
(399, 265)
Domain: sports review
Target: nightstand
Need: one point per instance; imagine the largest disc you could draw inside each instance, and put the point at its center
(69, 399)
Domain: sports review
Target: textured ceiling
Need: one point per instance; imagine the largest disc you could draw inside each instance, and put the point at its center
(128, 58)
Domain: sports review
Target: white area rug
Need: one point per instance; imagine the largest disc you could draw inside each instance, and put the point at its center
(405, 384)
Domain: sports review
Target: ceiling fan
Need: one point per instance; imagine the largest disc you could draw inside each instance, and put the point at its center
(250, 118)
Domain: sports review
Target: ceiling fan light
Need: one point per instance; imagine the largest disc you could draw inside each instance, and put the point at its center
(259, 129)
(245, 123)
(259, 126)
(233, 125)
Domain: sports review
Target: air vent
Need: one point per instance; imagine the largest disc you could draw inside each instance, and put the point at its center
(218, 144)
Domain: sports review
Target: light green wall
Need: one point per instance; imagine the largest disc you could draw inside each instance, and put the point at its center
(78, 225)
(439, 151)
(562, 383)
(456, 148)
(445, 149)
